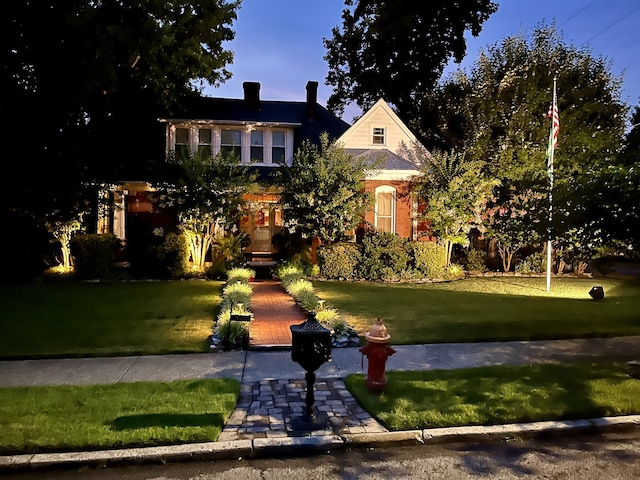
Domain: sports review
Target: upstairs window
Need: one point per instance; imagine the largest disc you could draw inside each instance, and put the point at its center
(231, 143)
(205, 144)
(277, 147)
(257, 146)
(378, 136)
(182, 143)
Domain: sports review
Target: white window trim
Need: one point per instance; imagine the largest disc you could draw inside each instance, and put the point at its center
(384, 136)
(245, 144)
(386, 189)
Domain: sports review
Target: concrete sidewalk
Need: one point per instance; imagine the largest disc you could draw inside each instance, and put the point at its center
(273, 390)
(255, 366)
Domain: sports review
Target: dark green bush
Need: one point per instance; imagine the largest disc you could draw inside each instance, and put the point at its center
(173, 255)
(384, 255)
(475, 261)
(93, 255)
(429, 258)
(339, 260)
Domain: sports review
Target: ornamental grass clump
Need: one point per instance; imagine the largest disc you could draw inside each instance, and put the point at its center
(239, 274)
(236, 293)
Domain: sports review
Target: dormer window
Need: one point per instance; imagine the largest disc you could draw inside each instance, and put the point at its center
(378, 136)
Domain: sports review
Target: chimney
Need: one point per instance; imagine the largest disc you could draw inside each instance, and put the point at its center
(252, 95)
(312, 98)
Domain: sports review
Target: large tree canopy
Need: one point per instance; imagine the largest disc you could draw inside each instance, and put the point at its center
(397, 50)
(83, 82)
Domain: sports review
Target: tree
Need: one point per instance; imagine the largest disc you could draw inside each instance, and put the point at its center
(84, 82)
(514, 223)
(397, 50)
(323, 191)
(207, 193)
(455, 192)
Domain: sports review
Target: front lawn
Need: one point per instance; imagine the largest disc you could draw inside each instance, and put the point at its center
(499, 395)
(70, 418)
(99, 319)
(488, 309)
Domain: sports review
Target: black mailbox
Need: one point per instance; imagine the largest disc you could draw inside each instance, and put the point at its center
(310, 347)
(310, 343)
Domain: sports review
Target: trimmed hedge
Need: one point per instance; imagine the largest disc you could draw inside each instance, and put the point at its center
(339, 260)
(93, 255)
(429, 258)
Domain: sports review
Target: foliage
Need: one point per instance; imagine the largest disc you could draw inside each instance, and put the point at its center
(107, 71)
(475, 261)
(429, 258)
(514, 223)
(455, 192)
(397, 50)
(229, 246)
(289, 271)
(327, 315)
(500, 394)
(63, 231)
(207, 192)
(236, 293)
(233, 332)
(534, 263)
(173, 255)
(383, 255)
(454, 271)
(240, 274)
(94, 255)
(307, 299)
(339, 260)
(578, 247)
(48, 419)
(322, 191)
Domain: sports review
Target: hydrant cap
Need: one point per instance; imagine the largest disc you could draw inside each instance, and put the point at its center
(377, 333)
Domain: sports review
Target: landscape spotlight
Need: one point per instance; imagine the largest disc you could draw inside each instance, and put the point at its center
(597, 292)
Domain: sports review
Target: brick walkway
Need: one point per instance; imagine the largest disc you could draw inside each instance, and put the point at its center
(274, 310)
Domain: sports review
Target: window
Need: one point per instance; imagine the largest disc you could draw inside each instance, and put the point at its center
(231, 142)
(182, 143)
(277, 147)
(204, 143)
(378, 136)
(385, 211)
(257, 144)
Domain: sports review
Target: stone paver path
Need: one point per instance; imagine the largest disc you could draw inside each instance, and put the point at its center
(266, 409)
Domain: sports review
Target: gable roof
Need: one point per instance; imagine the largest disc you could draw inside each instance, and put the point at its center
(380, 112)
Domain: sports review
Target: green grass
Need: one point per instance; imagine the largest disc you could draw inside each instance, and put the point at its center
(69, 418)
(101, 319)
(488, 309)
(499, 395)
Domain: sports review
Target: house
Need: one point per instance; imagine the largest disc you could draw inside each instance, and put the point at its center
(265, 134)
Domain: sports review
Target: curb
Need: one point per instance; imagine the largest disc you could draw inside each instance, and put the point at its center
(265, 447)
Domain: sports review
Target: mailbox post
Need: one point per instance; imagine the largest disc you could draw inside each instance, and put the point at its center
(310, 347)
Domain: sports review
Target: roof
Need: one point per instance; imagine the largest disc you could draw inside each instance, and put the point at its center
(309, 120)
(388, 159)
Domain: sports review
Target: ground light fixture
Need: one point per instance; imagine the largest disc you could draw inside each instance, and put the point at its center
(597, 292)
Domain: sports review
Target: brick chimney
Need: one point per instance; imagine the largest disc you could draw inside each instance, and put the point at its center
(251, 95)
(312, 98)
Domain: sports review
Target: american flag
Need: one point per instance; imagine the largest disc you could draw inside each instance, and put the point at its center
(553, 133)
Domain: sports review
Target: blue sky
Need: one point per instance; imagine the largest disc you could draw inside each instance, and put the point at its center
(279, 42)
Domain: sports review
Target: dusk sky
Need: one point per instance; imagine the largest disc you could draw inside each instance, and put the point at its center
(279, 42)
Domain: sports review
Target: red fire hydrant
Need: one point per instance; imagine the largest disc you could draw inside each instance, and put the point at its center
(377, 351)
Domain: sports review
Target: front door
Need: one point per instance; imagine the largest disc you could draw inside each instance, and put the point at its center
(261, 241)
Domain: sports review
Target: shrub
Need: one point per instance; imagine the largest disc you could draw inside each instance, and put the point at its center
(339, 260)
(475, 262)
(240, 274)
(173, 255)
(327, 315)
(297, 287)
(454, 271)
(383, 255)
(429, 258)
(93, 255)
(307, 300)
(236, 293)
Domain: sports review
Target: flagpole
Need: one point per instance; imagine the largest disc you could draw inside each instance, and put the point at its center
(550, 172)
